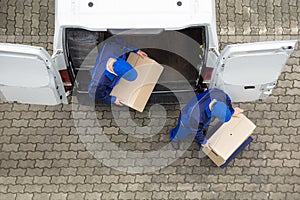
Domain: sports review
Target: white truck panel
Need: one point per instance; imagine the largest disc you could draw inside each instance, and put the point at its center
(28, 75)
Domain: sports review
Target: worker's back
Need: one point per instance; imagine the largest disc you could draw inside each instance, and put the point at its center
(195, 110)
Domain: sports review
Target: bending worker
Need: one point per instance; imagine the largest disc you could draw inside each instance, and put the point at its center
(110, 67)
(200, 112)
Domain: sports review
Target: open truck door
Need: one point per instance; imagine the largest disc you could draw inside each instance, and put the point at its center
(248, 72)
(28, 75)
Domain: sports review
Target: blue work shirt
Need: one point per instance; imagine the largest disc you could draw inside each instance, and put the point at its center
(196, 115)
(103, 81)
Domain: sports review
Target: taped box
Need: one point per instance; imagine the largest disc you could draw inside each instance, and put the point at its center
(228, 138)
(136, 94)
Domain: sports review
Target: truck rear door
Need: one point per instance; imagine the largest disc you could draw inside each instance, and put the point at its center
(248, 72)
(28, 75)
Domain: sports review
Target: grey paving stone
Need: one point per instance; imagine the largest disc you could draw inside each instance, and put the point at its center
(67, 171)
(25, 180)
(43, 163)
(95, 195)
(26, 164)
(20, 123)
(85, 171)
(24, 196)
(145, 195)
(109, 195)
(277, 195)
(12, 115)
(67, 188)
(9, 196)
(58, 196)
(33, 188)
(44, 196)
(50, 188)
(6, 123)
(34, 172)
(51, 172)
(10, 147)
(292, 196)
(59, 180)
(35, 155)
(17, 172)
(3, 188)
(210, 195)
(41, 180)
(165, 195)
(282, 154)
(101, 187)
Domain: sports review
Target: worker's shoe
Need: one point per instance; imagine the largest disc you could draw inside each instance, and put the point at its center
(175, 145)
(204, 132)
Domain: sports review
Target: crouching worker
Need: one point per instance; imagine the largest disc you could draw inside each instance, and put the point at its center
(110, 67)
(200, 112)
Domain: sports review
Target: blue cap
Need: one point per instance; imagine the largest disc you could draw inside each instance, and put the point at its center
(125, 70)
(221, 111)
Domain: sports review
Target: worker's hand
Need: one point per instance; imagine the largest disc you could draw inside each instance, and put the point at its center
(142, 54)
(205, 145)
(237, 111)
(118, 102)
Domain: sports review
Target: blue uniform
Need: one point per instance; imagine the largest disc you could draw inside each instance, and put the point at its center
(196, 115)
(103, 81)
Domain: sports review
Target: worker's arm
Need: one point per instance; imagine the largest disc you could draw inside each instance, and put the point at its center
(237, 111)
(234, 111)
(129, 48)
(126, 46)
(142, 54)
(229, 104)
(137, 51)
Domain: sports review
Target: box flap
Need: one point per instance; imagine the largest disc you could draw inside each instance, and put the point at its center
(218, 160)
(136, 94)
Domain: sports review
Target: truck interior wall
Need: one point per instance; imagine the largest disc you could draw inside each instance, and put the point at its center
(80, 43)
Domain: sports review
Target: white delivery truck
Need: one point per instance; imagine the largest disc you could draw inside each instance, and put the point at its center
(247, 72)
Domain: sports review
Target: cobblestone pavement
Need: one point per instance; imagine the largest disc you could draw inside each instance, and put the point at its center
(42, 157)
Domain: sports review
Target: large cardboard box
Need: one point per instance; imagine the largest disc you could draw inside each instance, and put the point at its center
(136, 94)
(228, 138)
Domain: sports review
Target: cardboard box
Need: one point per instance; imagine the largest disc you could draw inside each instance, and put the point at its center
(136, 94)
(228, 138)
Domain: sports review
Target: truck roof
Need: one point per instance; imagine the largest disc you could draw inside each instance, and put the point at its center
(131, 14)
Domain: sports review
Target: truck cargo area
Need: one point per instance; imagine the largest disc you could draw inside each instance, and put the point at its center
(180, 76)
